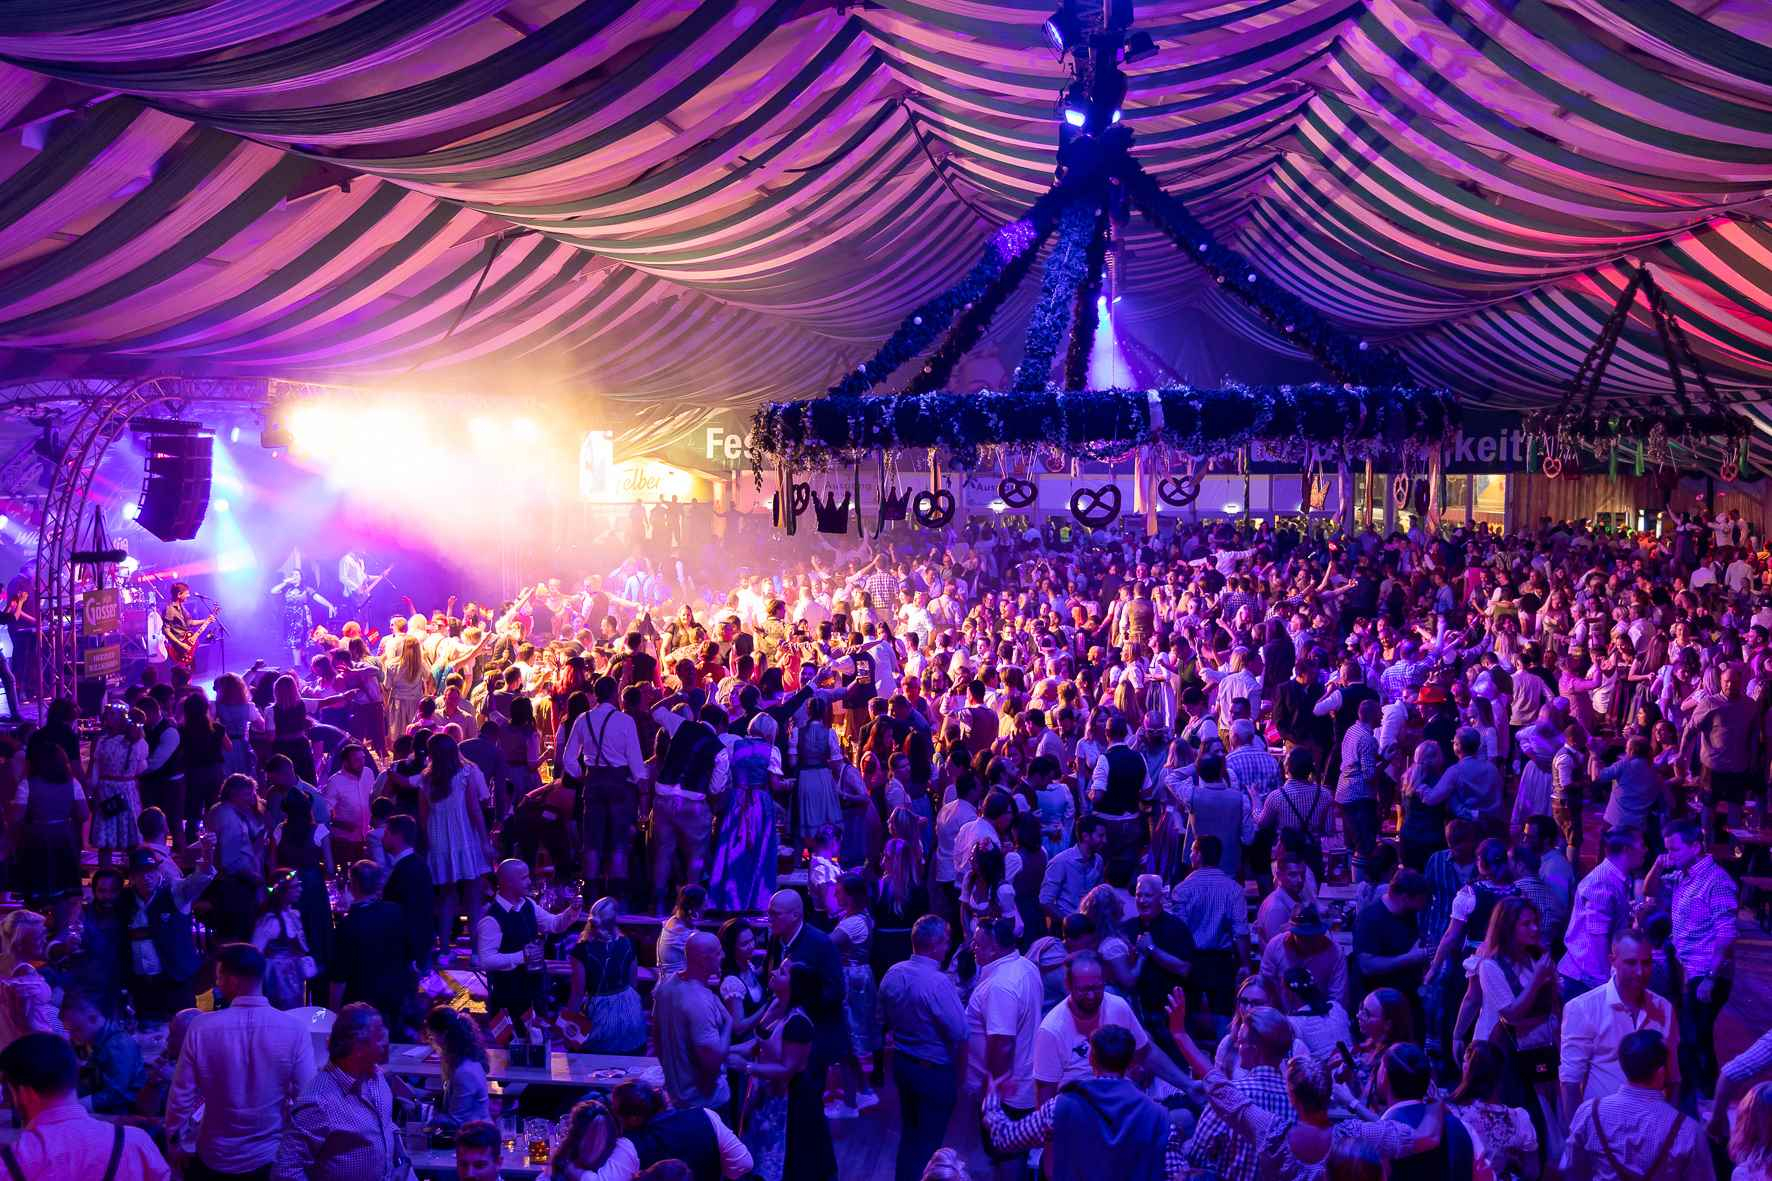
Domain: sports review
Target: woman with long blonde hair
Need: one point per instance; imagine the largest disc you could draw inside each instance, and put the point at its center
(406, 683)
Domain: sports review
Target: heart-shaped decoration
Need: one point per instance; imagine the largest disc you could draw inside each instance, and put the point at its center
(1016, 493)
(1096, 507)
(933, 510)
(1178, 491)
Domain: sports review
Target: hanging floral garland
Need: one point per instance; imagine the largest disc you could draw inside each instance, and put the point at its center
(1346, 358)
(1096, 424)
(1058, 287)
(919, 329)
(977, 316)
(1084, 317)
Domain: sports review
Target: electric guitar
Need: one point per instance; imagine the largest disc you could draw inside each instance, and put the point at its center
(183, 651)
(360, 600)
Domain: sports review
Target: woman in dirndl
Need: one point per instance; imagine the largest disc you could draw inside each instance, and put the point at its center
(604, 970)
(119, 755)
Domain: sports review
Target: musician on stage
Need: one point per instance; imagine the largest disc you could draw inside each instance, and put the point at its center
(298, 614)
(353, 573)
(179, 629)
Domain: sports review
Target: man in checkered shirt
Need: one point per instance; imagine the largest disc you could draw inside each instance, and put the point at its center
(1264, 1042)
(1252, 768)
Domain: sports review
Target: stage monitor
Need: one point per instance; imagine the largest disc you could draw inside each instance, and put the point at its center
(175, 487)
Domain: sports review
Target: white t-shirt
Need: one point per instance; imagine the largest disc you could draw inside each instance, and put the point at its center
(1006, 1003)
(1061, 1050)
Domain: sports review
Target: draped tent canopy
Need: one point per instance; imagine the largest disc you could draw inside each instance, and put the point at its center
(725, 201)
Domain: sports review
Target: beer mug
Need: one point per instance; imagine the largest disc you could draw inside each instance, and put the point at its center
(532, 956)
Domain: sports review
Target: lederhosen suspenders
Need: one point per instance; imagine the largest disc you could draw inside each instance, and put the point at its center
(14, 1173)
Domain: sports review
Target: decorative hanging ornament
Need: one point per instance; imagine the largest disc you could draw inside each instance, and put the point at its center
(1017, 493)
(1179, 491)
(1096, 507)
(933, 510)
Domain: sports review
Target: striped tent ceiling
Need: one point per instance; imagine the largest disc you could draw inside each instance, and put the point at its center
(719, 201)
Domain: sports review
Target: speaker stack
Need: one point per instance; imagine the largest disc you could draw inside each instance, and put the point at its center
(175, 484)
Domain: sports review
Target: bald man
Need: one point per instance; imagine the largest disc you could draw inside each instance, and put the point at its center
(791, 939)
(694, 1027)
(509, 940)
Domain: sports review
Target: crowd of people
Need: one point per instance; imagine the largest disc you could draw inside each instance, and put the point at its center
(1239, 852)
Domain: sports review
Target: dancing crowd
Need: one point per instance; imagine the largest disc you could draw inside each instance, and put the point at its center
(1238, 852)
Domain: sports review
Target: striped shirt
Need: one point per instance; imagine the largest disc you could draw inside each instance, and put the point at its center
(1253, 770)
(1704, 904)
(1359, 764)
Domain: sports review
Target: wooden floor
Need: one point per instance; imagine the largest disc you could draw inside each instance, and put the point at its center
(867, 1146)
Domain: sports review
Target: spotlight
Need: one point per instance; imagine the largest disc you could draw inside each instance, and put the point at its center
(526, 430)
(1110, 95)
(219, 504)
(999, 506)
(4, 520)
(1232, 508)
(1075, 117)
(1063, 30)
(1076, 105)
(129, 566)
(131, 511)
(1138, 47)
(233, 434)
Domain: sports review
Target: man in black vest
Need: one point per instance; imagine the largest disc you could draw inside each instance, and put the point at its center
(1116, 792)
(509, 941)
(156, 915)
(694, 772)
(697, 1136)
(162, 783)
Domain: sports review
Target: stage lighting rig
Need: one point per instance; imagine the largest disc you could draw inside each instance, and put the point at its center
(1098, 39)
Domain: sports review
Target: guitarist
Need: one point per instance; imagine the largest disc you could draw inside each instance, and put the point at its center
(355, 581)
(182, 633)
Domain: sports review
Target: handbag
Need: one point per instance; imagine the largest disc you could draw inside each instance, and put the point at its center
(1537, 1064)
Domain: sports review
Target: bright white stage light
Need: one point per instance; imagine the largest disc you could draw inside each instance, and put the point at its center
(131, 511)
(527, 430)
(219, 504)
(999, 505)
(1232, 508)
(129, 566)
(4, 520)
(233, 434)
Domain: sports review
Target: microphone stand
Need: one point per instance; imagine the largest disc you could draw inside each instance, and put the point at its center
(220, 628)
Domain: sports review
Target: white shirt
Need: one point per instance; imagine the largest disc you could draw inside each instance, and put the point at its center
(487, 934)
(1061, 1049)
(1595, 1024)
(1006, 1003)
(620, 742)
(347, 801)
(351, 574)
(244, 1066)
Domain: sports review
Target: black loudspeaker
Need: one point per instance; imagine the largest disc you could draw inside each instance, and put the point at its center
(175, 489)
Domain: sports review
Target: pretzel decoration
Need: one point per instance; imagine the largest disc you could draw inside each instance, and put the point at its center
(1179, 491)
(1400, 490)
(933, 510)
(1096, 507)
(1552, 467)
(1017, 493)
(1730, 471)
